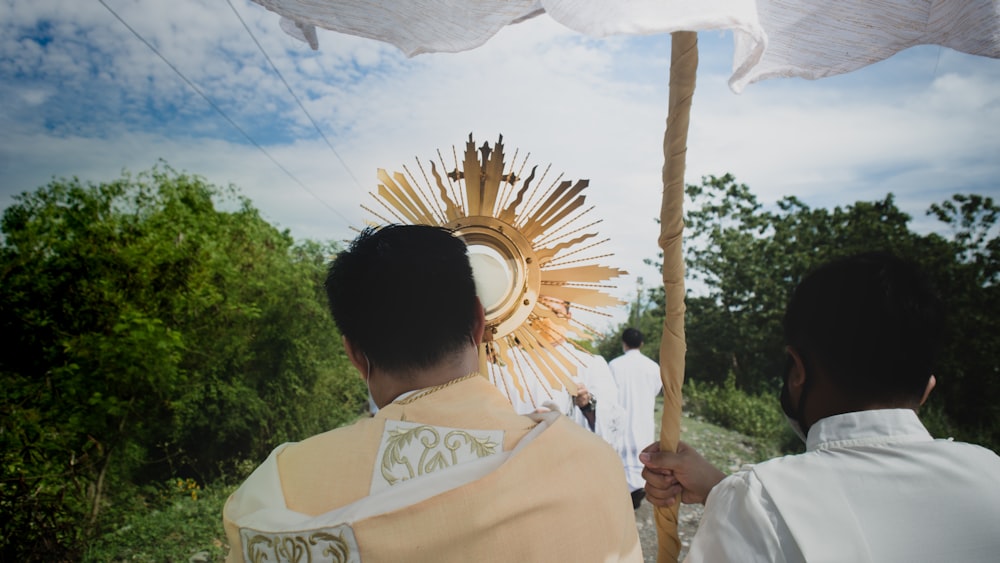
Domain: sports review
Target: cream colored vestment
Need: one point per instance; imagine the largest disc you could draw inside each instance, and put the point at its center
(455, 475)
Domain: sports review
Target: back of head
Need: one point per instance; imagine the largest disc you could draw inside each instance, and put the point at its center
(404, 295)
(872, 322)
(632, 338)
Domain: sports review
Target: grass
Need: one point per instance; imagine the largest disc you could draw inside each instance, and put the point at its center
(726, 449)
(186, 529)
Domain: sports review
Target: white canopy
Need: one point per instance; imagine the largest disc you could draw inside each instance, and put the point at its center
(773, 38)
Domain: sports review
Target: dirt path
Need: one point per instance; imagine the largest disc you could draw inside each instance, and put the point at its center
(689, 516)
(726, 449)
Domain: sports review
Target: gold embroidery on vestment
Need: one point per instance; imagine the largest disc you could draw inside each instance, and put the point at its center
(437, 452)
(302, 547)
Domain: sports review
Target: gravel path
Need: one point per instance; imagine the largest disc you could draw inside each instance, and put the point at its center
(689, 516)
(726, 449)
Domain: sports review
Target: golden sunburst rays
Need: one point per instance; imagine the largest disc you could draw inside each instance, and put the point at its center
(533, 248)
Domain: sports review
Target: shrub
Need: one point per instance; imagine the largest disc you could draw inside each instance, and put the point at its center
(183, 519)
(758, 416)
(940, 425)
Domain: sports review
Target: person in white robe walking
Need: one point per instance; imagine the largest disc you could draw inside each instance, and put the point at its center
(638, 381)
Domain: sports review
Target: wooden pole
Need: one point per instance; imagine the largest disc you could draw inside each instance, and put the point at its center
(683, 68)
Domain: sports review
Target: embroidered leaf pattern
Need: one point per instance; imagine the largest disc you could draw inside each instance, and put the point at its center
(302, 547)
(401, 462)
(481, 446)
(337, 548)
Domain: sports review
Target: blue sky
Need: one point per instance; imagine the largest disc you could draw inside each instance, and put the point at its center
(82, 96)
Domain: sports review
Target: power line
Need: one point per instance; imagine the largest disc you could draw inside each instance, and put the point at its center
(296, 98)
(220, 112)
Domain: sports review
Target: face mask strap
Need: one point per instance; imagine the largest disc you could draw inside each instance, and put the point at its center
(801, 411)
(368, 378)
(794, 420)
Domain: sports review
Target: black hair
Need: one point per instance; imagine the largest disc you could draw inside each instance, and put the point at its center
(873, 323)
(404, 295)
(632, 338)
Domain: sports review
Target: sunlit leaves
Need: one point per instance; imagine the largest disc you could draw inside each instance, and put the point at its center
(159, 325)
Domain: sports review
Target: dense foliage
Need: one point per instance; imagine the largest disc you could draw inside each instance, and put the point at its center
(755, 415)
(178, 521)
(749, 258)
(155, 327)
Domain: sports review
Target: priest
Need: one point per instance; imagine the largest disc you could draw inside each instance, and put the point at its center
(446, 470)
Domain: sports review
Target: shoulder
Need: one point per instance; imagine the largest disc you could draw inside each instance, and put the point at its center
(646, 360)
(740, 523)
(627, 360)
(968, 449)
(262, 489)
(336, 435)
(594, 361)
(968, 462)
(596, 366)
(582, 441)
(956, 466)
(338, 439)
(735, 487)
(572, 453)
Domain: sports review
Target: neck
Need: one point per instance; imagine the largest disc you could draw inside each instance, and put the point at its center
(826, 400)
(391, 384)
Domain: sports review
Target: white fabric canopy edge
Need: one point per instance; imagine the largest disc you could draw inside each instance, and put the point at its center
(772, 38)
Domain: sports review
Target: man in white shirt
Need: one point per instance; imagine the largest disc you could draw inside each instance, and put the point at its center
(862, 335)
(638, 381)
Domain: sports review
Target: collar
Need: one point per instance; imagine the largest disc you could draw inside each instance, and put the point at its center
(406, 394)
(871, 427)
(428, 390)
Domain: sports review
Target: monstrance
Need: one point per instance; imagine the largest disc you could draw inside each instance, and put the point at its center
(533, 253)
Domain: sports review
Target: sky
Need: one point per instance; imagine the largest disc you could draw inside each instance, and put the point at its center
(81, 95)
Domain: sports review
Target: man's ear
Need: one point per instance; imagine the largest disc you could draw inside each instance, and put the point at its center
(796, 370)
(479, 325)
(357, 357)
(931, 382)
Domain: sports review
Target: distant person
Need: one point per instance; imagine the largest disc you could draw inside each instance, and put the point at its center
(862, 334)
(596, 404)
(445, 470)
(638, 381)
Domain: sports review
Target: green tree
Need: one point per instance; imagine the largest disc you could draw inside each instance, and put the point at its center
(968, 391)
(750, 259)
(161, 327)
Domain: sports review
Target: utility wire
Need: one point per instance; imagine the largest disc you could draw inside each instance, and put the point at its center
(297, 100)
(222, 113)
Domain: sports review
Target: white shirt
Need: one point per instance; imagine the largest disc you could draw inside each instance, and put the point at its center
(872, 486)
(609, 416)
(638, 381)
